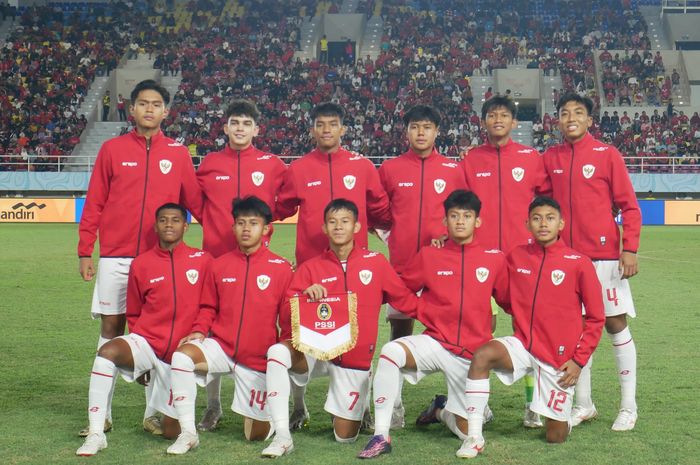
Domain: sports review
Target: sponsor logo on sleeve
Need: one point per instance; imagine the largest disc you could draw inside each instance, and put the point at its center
(157, 280)
(228, 280)
(483, 174)
(600, 149)
(329, 279)
(223, 178)
(130, 164)
(445, 273)
(313, 184)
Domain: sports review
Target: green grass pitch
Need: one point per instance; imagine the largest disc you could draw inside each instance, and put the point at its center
(48, 343)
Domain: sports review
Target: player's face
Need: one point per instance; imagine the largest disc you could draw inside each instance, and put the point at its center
(574, 121)
(249, 231)
(340, 226)
(327, 131)
(240, 131)
(148, 110)
(499, 123)
(421, 136)
(170, 227)
(461, 224)
(545, 223)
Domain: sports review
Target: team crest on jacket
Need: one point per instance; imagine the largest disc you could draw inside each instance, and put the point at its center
(349, 181)
(558, 277)
(192, 276)
(518, 173)
(263, 281)
(258, 177)
(365, 277)
(482, 274)
(165, 166)
(439, 185)
(588, 171)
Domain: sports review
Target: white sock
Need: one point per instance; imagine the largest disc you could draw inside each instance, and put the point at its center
(184, 390)
(626, 361)
(101, 382)
(150, 411)
(279, 361)
(477, 397)
(100, 342)
(386, 386)
(582, 391)
(214, 394)
(450, 420)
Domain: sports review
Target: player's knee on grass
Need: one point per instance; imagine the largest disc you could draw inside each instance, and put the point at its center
(487, 357)
(118, 352)
(112, 326)
(345, 431)
(400, 327)
(256, 430)
(556, 431)
(615, 324)
(170, 426)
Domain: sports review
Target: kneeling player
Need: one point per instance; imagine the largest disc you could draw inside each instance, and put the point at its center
(344, 268)
(458, 281)
(548, 284)
(162, 302)
(241, 299)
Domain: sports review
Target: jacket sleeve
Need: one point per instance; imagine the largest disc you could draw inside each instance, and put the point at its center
(543, 183)
(501, 287)
(134, 301)
(97, 194)
(465, 167)
(592, 297)
(413, 274)
(208, 305)
(279, 173)
(284, 315)
(396, 293)
(378, 208)
(385, 180)
(190, 192)
(287, 197)
(626, 200)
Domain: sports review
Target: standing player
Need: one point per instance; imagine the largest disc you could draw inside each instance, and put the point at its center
(133, 175)
(342, 268)
(417, 182)
(237, 171)
(163, 300)
(590, 179)
(458, 281)
(548, 284)
(506, 176)
(241, 302)
(327, 173)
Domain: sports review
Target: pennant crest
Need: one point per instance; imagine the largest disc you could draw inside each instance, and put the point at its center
(258, 178)
(165, 166)
(263, 282)
(518, 173)
(365, 277)
(192, 276)
(482, 274)
(558, 277)
(588, 171)
(439, 185)
(349, 181)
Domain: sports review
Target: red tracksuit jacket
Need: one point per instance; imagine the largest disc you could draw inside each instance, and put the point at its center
(130, 180)
(312, 181)
(506, 179)
(163, 295)
(588, 179)
(416, 188)
(229, 174)
(241, 302)
(458, 282)
(371, 277)
(547, 288)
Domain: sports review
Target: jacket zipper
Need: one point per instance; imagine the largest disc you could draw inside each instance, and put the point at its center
(238, 185)
(534, 297)
(143, 200)
(172, 325)
(245, 289)
(330, 174)
(420, 201)
(500, 200)
(571, 199)
(461, 301)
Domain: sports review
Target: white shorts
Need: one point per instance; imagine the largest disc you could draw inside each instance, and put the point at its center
(430, 358)
(348, 389)
(548, 399)
(109, 296)
(393, 314)
(145, 360)
(617, 294)
(250, 389)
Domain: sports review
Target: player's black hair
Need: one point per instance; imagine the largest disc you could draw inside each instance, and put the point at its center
(328, 109)
(543, 201)
(574, 97)
(341, 204)
(150, 84)
(251, 206)
(499, 101)
(243, 107)
(422, 113)
(172, 206)
(463, 200)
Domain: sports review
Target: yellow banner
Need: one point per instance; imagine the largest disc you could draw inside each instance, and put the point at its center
(37, 210)
(682, 212)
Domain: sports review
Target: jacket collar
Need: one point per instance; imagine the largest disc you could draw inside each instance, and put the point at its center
(248, 151)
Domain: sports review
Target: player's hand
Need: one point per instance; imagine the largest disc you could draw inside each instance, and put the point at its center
(144, 379)
(570, 373)
(316, 292)
(466, 152)
(196, 336)
(87, 268)
(438, 243)
(628, 264)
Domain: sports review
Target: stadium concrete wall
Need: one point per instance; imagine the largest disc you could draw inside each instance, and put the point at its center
(523, 83)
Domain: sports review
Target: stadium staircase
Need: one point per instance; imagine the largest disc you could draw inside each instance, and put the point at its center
(309, 36)
(348, 7)
(372, 39)
(655, 29)
(480, 85)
